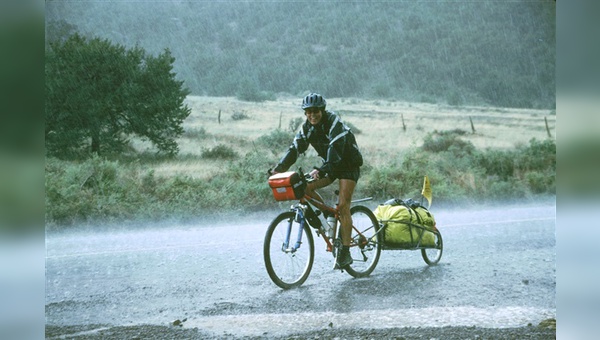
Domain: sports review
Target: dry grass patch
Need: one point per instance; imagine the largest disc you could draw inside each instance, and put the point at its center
(382, 137)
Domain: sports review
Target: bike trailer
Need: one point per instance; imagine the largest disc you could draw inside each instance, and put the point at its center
(287, 186)
(407, 224)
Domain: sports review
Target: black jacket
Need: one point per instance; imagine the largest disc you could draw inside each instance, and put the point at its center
(333, 141)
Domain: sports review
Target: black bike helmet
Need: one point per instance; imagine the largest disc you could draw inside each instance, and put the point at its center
(313, 100)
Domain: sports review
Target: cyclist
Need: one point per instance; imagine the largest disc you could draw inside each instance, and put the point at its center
(336, 145)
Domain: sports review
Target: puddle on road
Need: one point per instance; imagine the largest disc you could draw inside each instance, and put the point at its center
(283, 324)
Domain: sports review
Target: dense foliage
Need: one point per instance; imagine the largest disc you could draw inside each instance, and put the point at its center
(459, 172)
(499, 53)
(99, 94)
(99, 189)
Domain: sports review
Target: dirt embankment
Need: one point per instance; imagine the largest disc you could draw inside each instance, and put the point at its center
(545, 330)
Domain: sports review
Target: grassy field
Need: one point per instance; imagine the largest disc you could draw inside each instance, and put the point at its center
(223, 161)
(381, 135)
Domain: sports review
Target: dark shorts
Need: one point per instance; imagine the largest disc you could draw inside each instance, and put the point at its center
(351, 174)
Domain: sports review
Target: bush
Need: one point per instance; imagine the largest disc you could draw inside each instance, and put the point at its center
(502, 190)
(194, 133)
(444, 141)
(107, 191)
(239, 116)
(497, 163)
(277, 141)
(538, 182)
(94, 189)
(249, 178)
(537, 156)
(399, 180)
(220, 151)
(295, 123)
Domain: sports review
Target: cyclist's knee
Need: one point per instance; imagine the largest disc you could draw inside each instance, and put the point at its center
(344, 207)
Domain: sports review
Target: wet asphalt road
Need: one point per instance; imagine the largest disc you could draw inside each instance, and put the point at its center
(497, 270)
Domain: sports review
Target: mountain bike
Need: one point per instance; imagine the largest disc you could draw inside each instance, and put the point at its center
(289, 247)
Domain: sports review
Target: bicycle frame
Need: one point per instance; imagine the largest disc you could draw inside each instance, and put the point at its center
(302, 219)
(309, 200)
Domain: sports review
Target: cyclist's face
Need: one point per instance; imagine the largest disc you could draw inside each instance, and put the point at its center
(314, 115)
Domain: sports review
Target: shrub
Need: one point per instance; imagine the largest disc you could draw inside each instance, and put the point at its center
(537, 156)
(239, 116)
(94, 189)
(277, 141)
(438, 142)
(398, 180)
(249, 175)
(295, 123)
(539, 183)
(497, 163)
(195, 133)
(500, 190)
(220, 151)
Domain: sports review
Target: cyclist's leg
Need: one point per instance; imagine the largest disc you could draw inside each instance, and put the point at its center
(317, 184)
(346, 190)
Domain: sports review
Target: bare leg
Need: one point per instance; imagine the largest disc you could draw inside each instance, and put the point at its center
(346, 190)
(313, 186)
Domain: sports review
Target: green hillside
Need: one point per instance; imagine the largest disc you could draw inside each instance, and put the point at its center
(484, 52)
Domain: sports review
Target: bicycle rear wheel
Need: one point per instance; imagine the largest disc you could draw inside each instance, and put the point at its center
(288, 251)
(433, 255)
(365, 248)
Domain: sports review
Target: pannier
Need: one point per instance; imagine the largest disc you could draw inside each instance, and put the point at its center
(407, 224)
(287, 186)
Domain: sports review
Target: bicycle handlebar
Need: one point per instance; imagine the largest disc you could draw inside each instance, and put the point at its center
(307, 177)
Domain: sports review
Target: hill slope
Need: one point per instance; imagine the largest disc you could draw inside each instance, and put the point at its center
(460, 53)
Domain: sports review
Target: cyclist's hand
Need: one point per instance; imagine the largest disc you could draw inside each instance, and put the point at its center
(317, 174)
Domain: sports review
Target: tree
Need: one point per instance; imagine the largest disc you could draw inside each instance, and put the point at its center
(98, 95)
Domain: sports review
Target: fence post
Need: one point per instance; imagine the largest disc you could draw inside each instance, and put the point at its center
(219, 117)
(547, 128)
(280, 114)
(403, 125)
(472, 126)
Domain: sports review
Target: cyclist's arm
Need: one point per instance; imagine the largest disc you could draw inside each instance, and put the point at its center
(299, 146)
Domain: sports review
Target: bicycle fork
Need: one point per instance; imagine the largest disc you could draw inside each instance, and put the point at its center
(286, 243)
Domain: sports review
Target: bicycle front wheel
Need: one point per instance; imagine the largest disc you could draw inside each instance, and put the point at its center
(289, 251)
(365, 247)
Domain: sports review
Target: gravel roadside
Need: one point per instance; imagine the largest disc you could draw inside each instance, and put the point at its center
(545, 330)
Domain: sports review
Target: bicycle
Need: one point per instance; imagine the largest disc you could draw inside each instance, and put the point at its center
(289, 248)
